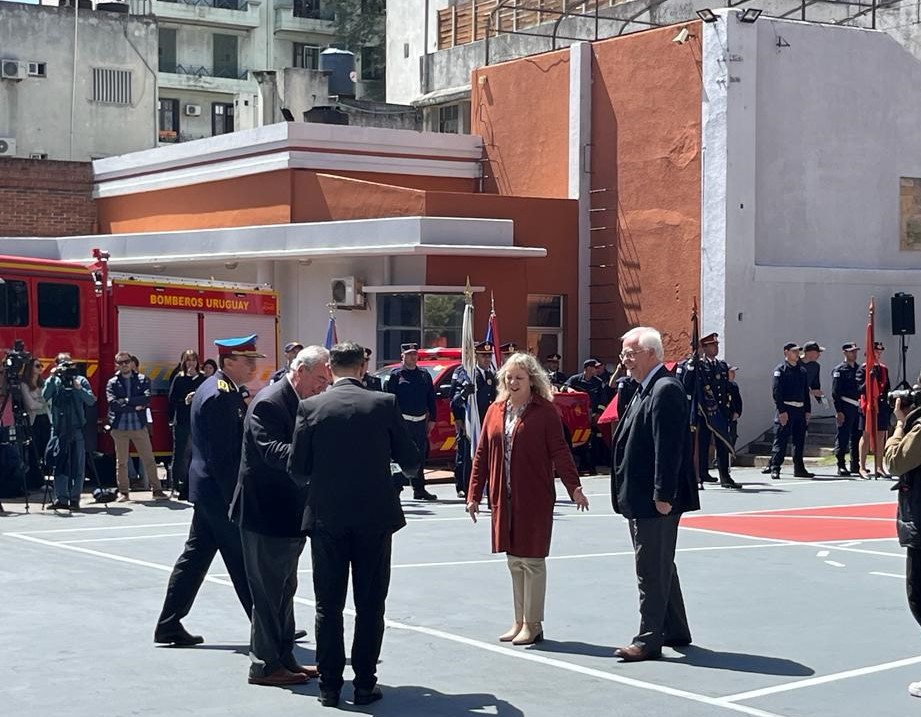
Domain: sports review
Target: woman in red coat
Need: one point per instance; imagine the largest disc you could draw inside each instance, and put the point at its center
(521, 444)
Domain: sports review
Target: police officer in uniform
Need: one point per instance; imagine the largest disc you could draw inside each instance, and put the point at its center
(811, 354)
(845, 392)
(588, 382)
(792, 400)
(552, 364)
(217, 415)
(713, 398)
(507, 350)
(292, 349)
(461, 390)
(372, 383)
(735, 406)
(416, 398)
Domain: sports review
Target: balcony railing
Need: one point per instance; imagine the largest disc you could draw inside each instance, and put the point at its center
(312, 10)
(220, 4)
(202, 71)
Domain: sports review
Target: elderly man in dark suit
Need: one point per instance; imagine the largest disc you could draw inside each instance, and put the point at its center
(352, 513)
(652, 484)
(269, 508)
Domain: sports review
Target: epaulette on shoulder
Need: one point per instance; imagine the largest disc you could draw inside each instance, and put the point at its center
(222, 385)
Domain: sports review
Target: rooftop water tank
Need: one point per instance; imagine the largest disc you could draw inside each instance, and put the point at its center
(341, 67)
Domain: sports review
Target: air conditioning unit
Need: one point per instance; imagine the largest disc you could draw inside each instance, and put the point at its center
(193, 110)
(346, 292)
(12, 70)
(7, 147)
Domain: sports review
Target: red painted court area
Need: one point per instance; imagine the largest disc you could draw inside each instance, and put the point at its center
(863, 521)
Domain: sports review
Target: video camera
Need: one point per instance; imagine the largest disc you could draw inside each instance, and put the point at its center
(15, 361)
(911, 397)
(67, 372)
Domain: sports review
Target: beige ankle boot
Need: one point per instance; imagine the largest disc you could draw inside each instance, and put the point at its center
(530, 633)
(511, 634)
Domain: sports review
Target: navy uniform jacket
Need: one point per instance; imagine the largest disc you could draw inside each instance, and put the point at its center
(713, 384)
(460, 390)
(278, 375)
(217, 438)
(414, 391)
(791, 384)
(372, 383)
(593, 387)
(813, 375)
(557, 378)
(735, 399)
(844, 384)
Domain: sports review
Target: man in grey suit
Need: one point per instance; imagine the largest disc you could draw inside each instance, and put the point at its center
(344, 442)
(652, 484)
(269, 508)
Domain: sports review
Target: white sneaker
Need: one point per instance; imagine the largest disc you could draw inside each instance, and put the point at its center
(914, 689)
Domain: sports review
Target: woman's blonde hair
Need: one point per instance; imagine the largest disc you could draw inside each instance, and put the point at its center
(540, 382)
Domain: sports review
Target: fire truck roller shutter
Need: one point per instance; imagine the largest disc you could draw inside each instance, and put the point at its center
(219, 326)
(157, 337)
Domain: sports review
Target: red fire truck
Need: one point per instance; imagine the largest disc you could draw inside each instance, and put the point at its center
(441, 363)
(55, 306)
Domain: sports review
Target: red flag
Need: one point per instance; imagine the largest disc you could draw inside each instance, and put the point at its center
(871, 407)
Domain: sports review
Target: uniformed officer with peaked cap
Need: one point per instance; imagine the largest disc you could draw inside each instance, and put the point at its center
(372, 383)
(462, 387)
(217, 414)
(845, 393)
(552, 364)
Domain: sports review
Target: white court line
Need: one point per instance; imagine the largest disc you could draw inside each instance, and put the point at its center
(121, 537)
(835, 564)
(824, 679)
(105, 527)
(888, 575)
(524, 655)
(822, 554)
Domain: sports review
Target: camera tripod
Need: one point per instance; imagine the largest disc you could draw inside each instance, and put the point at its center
(20, 436)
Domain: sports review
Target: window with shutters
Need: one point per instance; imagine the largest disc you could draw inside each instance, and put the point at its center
(111, 86)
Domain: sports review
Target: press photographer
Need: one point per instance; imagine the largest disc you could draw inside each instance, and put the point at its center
(903, 457)
(68, 393)
(14, 428)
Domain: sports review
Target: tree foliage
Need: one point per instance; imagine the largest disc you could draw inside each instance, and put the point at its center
(359, 23)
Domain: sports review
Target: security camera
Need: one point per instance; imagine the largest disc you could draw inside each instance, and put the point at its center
(682, 36)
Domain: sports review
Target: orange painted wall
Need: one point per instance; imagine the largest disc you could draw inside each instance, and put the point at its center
(547, 223)
(324, 197)
(244, 201)
(646, 152)
(521, 110)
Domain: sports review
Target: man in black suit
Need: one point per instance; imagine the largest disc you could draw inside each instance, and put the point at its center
(652, 484)
(269, 508)
(352, 513)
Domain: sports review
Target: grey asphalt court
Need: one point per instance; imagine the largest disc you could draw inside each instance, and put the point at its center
(781, 628)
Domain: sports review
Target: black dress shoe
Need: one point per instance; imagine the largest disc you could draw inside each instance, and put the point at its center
(300, 634)
(178, 636)
(329, 698)
(366, 697)
(843, 472)
(767, 470)
(775, 475)
(709, 479)
(730, 483)
(58, 505)
(424, 495)
(635, 653)
(801, 472)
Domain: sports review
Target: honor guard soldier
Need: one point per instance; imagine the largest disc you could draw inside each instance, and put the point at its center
(507, 350)
(484, 388)
(845, 392)
(712, 387)
(292, 349)
(372, 383)
(793, 404)
(416, 398)
(217, 414)
(552, 364)
(735, 406)
(880, 375)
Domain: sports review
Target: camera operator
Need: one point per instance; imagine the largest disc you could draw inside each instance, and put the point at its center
(10, 463)
(68, 394)
(903, 457)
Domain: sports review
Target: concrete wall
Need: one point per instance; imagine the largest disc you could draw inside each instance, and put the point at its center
(407, 44)
(37, 110)
(804, 149)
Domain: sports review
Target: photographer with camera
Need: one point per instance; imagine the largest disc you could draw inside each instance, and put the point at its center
(903, 457)
(69, 394)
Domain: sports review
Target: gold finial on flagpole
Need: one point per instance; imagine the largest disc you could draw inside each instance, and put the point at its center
(332, 310)
(492, 302)
(468, 292)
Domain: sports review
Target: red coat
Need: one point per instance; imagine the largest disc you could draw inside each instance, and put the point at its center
(522, 522)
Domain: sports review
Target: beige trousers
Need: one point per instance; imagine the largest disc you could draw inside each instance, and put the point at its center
(529, 587)
(141, 440)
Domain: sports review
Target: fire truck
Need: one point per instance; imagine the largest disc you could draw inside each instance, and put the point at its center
(91, 313)
(440, 363)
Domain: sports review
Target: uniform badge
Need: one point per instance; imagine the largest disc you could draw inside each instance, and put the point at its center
(222, 385)
(777, 373)
(489, 382)
(835, 374)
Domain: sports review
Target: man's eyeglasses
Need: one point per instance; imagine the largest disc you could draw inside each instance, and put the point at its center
(624, 355)
(122, 363)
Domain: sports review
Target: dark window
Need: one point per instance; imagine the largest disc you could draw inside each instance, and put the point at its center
(429, 320)
(225, 57)
(58, 306)
(545, 310)
(307, 8)
(167, 49)
(14, 303)
(306, 56)
(372, 63)
(168, 112)
(448, 119)
(221, 118)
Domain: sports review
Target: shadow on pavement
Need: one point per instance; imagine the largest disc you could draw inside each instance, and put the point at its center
(742, 662)
(402, 700)
(574, 648)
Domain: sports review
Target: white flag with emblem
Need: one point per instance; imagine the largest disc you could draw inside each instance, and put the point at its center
(468, 356)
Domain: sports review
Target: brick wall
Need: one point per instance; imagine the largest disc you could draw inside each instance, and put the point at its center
(46, 198)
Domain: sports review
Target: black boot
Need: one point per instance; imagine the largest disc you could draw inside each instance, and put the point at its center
(799, 471)
(842, 471)
(727, 482)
